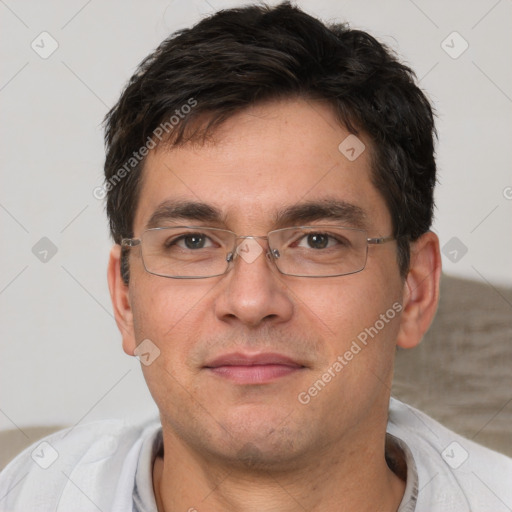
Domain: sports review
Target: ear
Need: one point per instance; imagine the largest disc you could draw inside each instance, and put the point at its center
(119, 294)
(421, 290)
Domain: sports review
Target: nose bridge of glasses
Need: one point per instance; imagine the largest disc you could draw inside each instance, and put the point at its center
(243, 237)
(249, 248)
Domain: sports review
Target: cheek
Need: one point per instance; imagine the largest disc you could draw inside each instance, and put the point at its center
(359, 351)
(341, 308)
(359, 317)
(161, 304)
(170, 314)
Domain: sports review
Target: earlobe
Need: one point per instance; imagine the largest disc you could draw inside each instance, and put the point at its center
(119, 294)
(421, 290)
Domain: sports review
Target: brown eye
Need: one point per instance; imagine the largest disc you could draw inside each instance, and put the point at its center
(318, 241)
(194, 241)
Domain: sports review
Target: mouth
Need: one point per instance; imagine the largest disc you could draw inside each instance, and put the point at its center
(253, 368)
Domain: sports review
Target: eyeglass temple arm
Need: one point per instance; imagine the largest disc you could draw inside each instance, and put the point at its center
(380, 240)
(130, 242)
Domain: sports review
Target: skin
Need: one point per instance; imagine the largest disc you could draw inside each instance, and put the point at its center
(232, 447)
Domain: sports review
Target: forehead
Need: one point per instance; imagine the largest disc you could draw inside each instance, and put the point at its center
(261, 161)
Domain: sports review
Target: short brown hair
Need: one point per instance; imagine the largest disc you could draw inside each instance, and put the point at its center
(239, 57)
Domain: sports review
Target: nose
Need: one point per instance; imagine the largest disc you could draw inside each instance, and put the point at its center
(254, 292)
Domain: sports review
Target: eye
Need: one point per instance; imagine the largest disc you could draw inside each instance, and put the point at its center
(318, 241)
(192, 241)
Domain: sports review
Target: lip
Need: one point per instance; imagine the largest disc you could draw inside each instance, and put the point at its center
(253, 368)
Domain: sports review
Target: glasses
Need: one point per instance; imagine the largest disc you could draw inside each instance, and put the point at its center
(193, 252)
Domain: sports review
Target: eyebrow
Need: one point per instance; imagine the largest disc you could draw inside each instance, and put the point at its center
(184, 210)
(324, 209)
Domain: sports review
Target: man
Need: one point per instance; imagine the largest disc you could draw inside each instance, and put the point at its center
(270, 193)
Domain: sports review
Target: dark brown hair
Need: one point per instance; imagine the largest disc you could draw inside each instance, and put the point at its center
(239, 57)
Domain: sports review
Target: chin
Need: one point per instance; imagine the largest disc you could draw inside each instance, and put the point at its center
(264, 440)
(257, 458)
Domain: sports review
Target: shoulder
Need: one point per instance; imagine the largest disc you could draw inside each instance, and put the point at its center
(454, 473)
(63, 470)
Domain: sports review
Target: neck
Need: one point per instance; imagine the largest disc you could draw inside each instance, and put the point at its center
(343, 477)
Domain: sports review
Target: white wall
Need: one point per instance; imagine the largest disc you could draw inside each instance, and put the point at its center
(61, 360)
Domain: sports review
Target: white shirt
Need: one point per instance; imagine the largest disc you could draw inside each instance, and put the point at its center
(107, 466)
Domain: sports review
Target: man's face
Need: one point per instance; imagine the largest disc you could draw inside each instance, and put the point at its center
(260, 163)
